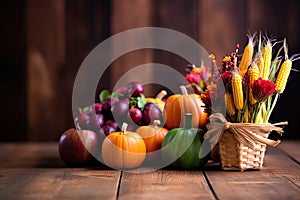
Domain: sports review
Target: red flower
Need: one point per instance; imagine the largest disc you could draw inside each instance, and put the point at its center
(227, 77)
(193, 77)
(262, 89)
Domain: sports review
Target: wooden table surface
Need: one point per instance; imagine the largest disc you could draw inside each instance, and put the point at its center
(34, 171)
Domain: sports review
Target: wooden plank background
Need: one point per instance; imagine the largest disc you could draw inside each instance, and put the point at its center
(44, 43)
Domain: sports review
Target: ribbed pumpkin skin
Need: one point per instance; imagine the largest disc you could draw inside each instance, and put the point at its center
(175, 107)
(123, 150)
(152, 136)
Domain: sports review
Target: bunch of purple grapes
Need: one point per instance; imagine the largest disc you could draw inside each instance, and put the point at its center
(126, 104)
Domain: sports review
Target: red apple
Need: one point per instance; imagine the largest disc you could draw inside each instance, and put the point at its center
(76, 146)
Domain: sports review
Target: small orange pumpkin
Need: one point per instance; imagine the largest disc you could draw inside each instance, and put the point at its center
(123, 150)
(178, 104)
(153, 135)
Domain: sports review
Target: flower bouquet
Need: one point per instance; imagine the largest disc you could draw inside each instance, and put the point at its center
(253, 83)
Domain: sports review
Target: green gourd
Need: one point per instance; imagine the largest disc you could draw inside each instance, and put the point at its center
(181, 146)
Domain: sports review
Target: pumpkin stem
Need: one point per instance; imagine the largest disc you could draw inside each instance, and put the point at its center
(124, 127)
(183, 90)
(161, 95)
(156, 123)
(188, 121)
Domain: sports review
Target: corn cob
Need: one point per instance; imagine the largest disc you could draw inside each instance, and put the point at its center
(230, 108)
(237, 90)
(260, 65)
(253, 75)
(247, 57)
(283, 75)
(267, 56)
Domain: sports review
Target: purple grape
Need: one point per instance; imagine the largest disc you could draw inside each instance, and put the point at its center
(122, 92)
(120, 110)
(108, 103)
(100, 119)
(82, 120)
(112, 124)
(135, 115)
(106, 107)
(95, 122)
(108, 129)
(135, 88)
(151, 112)
(97, 107)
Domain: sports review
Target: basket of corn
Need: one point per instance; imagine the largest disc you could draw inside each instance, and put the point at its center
(253, 82)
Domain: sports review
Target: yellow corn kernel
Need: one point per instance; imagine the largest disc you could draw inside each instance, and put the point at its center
(237, 90)
(283, 75)
(247, 57)
(253, 75)
(260, 65)
(230, 108)
(267, 56)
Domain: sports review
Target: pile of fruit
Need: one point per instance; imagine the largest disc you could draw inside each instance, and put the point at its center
(127, 104)
(124, 126)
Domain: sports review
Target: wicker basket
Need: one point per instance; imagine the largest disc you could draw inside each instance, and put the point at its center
(237, 156)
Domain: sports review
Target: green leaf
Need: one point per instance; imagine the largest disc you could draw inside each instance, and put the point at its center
(104, 94)
(86, 109)
(114, 95)
(141, 101)
(132, 102)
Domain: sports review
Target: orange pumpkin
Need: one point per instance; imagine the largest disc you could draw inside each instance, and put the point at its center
(153, 135)
(123, 150)
(178, 104)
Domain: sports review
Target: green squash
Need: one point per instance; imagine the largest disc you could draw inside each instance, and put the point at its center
(181, 146)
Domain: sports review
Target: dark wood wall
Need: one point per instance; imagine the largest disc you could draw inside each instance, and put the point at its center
(13, 70)
(43, 44)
